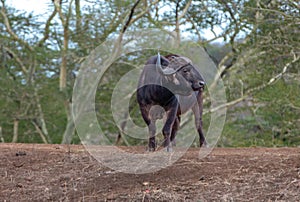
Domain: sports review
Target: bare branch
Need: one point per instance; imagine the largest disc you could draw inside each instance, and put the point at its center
(253, 90)
(296, 58)
(211, 110)
(221, 69)
(226, 105)
(130, 16)
(40, 132)
(47, 26)
(10, 31)
(185, 9)
(16, 57)
(58, 9)
(129, 21)
(275, 78)
(274, 11)
(203, 43)
(141, 14)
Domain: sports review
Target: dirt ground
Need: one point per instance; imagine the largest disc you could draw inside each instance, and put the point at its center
(32, 172)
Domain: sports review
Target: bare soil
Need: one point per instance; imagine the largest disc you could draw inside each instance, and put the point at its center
(34, 172)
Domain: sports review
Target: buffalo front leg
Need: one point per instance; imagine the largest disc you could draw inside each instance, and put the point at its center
(200, 132)
(167, 136)
(198, 124)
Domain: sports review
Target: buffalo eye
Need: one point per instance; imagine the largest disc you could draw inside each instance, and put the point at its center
(185, 70)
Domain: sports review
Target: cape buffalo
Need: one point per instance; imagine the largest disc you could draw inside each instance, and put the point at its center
(172, 85)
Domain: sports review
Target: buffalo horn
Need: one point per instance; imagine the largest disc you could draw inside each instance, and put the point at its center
(167, 70)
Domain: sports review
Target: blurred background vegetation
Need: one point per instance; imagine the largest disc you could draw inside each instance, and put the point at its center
(255, 45)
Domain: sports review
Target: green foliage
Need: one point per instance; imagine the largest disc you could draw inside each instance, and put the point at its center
(261, 40)
(271, 118)
(281, 112)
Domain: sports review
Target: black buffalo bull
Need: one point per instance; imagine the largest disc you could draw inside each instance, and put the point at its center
(170, 84)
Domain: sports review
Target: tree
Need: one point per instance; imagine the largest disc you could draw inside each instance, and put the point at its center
(23, 71)
(267, 56)
(258, 62)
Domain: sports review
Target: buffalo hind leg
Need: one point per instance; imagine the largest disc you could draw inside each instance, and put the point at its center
(167, 129)
(175, 128)
(151, 127)
(152, 132)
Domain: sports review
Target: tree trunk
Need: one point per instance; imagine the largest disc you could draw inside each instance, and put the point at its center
(78, 17)
(70, 128)
(1, 135)
(40, 132)
(177, 29)
(16, 128)
(41, 120)
(63, 67)
(65, 25)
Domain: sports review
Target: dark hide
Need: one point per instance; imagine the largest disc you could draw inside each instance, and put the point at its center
(173, 87)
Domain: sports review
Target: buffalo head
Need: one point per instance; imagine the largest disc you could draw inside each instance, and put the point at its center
(181, 76)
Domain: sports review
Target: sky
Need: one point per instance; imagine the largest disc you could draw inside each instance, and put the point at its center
(37, 6)
(41, 7)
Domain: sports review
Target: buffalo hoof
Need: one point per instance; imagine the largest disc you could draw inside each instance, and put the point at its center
(150, 149)
(204, 145)
(168, 149)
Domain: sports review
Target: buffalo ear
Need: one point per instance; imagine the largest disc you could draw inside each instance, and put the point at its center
(164, 62)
